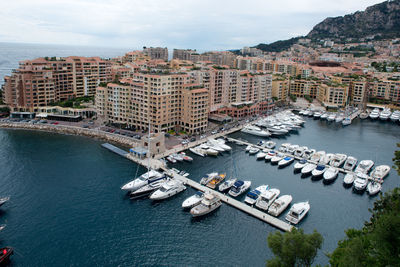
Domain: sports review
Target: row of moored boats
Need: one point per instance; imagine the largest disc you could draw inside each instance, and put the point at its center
(384, 115)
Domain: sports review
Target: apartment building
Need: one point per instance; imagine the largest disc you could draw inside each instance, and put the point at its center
(386, 90)
(184, 54)
(166, 101)
(333, 95)
(280, 89)
(358, 91)
(156, 52)
(40, 82)
(301, 88)
(135, 56)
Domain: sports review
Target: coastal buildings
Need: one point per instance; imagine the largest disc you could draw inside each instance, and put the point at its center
(156, 52)
(333, 95)
(43, 81)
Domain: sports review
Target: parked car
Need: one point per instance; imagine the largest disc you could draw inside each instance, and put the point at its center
(192, 139)
(185, 142)
(214, 132)
(90, 122)
(55, 122)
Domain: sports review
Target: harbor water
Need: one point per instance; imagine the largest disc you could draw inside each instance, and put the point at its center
(67, 208)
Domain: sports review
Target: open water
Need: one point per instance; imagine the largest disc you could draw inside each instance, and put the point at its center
(67, 209)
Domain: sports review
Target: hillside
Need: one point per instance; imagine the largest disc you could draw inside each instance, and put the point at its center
(381, 20)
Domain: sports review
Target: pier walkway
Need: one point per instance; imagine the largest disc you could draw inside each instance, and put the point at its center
(284, 226)
(180, 148)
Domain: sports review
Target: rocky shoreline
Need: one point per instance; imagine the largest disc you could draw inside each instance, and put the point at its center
(64, 129)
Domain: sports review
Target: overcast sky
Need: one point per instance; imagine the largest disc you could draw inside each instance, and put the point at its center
(201, 24)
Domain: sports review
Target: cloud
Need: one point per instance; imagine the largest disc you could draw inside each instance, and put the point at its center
(206, 24)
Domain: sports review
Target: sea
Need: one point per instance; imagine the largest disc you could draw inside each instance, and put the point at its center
(67, 209)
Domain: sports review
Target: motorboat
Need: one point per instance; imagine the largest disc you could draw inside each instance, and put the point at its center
(318, 171)
(361, 181)
(216, 180)
(326, 159)
(2, 226)
(198, 151)
(317, 115)
(270, 144)
(151, 186)
(221, 143)
(227, 184)
(265, 200)
(208, 178)
(254, 130)
(364, 166)
(208, 204)
(350, 163)
(380, 172)
(385, 114)
(4, 200)
(212, 152)
(374, 188)
(364, 115)
(324, 116)
(316, 157)
(349, 178)
(171, 159)
(284, 147)
(278, 157)
(346, 121)
(277, 130)
(308, 168)
(300, 164)
(215, 146)
(395, 116)
(270, 155)
(239, 187)
(330, 174)
(261, 155)
(285, 161)
(291, 149)
(5, 254)
(338, 160)
(247, 149)
(253, 150)
(299, 151)
(168, 189)
(297, 212)
(177, 157)
(374, 113)
(307, 154)
(253, 195)
(331, 117)
(141, 180)
(279, 205)
(192, 201)
(186, 157)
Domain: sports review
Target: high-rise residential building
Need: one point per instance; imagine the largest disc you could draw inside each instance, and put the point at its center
(156, 52)
(135, 56)
(184, 54)
(280, 88)
(358, 91)
(166, 101)
(301, 88)
(386, 90)
(40, 82)
(333, 95)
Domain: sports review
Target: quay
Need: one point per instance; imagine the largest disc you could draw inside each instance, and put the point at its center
(157, 164)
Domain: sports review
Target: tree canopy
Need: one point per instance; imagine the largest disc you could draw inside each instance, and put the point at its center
(294, 248)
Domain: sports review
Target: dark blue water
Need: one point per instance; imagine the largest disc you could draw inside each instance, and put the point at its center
(66, 207)
(12, 53)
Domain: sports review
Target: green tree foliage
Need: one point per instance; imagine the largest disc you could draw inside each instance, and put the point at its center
(294, 248)
(278, 46)
(378, 242)
(293, 98)
(396, 159)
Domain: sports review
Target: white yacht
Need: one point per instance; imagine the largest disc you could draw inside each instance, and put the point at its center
(278, 157)
(299, 151)
(215, 146)
(141, 181)
(338, 160)
(261, 155)
(151, 186)
(385, 114)
(374, 188)
(253, 195)
(239, 187)
(168, 189)
(346, 121)
(318, 171)
(220, 143)
(279, 205)
(177, 157)
(291, 149)
(284, 147)
(326, 159)
(254, 130)
(350, 163)
(270, 155)
(364, 166)
(265, 200)
(380, 172)
(278, 130)
(192, 201)
(317, 156)
(247, 149)
(374, 113)
(317, 114)
(324, 116)
(349, 178)
(253, 150)
(300, 164)
(331, 117)
(330, 174)
(198, 151)
(364, 115)
(206, 179)
(297, 212)
(308, 153)
(395, 116)
(227, 184)
(208, 204)
(361, 181)
(339, 118)
(308, 168)
(285, 161)
(212, 152)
